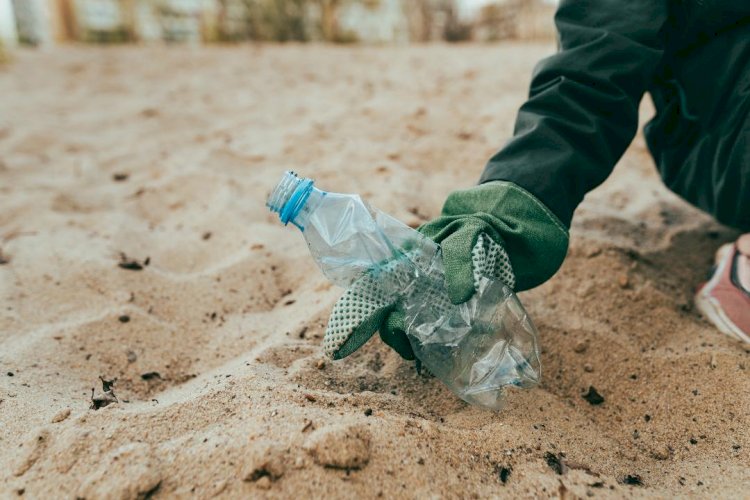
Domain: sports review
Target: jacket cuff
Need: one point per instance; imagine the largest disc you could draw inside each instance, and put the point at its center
(548, 189)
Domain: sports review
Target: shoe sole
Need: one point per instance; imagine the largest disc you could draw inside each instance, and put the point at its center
(711, 309)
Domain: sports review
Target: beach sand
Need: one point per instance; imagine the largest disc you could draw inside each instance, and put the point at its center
(161, 158)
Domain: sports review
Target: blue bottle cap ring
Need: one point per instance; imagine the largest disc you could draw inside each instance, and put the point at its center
(296, 202)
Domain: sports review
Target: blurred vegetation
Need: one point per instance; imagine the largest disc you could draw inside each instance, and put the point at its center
(274, 20)
(283, 20)
(119, 35)
(337, 21)
(4, 56)
(294, 20)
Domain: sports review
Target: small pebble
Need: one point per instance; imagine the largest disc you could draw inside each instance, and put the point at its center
(593, 396)
(264, 483)
(266, 463)
(623, 281)
(588, 368)
(219, 487)
(660, 453)
(633, 480)
(61, 415)
(340, 447)
(581, 346)
(133, 470)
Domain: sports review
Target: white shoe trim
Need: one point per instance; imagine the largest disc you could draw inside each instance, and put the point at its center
(711, 310)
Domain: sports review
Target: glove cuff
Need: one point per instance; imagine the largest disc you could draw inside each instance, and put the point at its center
(532, 235)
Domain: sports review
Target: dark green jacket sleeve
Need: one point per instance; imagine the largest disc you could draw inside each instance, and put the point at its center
(582, 111)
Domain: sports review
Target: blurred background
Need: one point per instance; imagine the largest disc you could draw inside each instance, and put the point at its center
(47, 22)
(139, 140)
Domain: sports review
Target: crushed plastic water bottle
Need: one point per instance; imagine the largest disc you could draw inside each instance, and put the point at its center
(476, 348)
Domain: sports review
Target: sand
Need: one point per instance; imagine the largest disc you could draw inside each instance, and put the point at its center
(161, 158)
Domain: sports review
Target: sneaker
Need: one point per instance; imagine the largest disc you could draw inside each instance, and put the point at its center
(723, 300)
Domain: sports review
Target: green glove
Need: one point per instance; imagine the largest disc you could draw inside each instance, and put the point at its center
(497, 230)
(367, 306)
(534, 237)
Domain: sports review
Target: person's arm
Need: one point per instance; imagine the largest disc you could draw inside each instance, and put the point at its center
(581, 115)
(582, 111)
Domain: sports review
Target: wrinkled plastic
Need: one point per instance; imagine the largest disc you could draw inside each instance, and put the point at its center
(476, 348)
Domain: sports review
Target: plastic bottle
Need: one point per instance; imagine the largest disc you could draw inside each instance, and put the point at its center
(476, 348)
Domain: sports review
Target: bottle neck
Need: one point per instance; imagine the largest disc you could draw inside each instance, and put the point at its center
(294, 198)
(313, 201)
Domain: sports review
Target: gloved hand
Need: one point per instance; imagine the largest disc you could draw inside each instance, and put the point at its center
(497, 230)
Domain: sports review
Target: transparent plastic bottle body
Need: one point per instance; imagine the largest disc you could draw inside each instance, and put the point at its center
(476, 348)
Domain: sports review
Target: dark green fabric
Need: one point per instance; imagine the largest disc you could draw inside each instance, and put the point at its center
(700, 136)
(362, 334)
(390, 321)
(393, 333)
(536, 241)
(582, 111)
